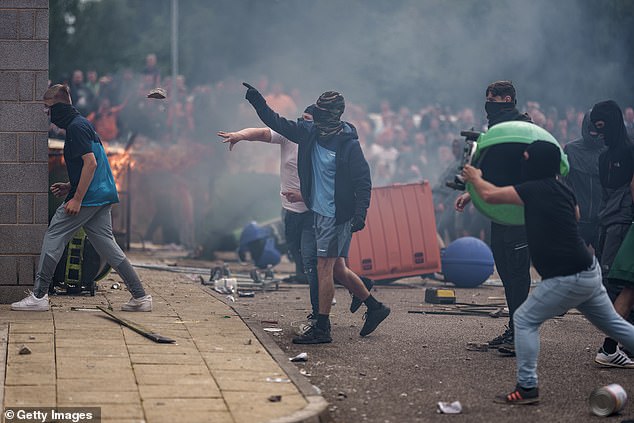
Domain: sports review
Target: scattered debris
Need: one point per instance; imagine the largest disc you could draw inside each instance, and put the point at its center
(270, 322)
(275, 398)
(478, 346)
(231, 298)
(31, 337)
(449, 408)
(249, 342)
(246, 294)
(278, 380)
(138, 328)
(341, 396)
(84, 309)
(304, 372)
(300, 357)
(115, 286)
(273, 330)
(24, 350)
(158, 93)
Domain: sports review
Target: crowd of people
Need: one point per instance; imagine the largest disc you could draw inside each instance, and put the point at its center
(402, 144)
(337, 161)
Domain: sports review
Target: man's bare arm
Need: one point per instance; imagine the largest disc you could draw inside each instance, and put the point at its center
(246, 134)
(490, 193)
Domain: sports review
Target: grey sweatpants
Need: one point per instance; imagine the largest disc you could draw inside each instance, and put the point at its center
(97, 222)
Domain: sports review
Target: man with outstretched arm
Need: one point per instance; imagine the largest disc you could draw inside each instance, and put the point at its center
(298, 219)
(571, 275)
(335, 184)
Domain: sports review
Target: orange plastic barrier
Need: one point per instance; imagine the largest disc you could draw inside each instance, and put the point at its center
(399, 239)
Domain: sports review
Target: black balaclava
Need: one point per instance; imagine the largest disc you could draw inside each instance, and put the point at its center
(62, 114)
(614, 132)
(327, 113)
(543, 161)
(593, 142)
(310, 109)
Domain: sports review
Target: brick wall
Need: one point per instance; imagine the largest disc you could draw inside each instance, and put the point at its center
(23, 142)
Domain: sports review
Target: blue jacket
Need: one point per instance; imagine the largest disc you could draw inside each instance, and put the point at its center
(353, 184)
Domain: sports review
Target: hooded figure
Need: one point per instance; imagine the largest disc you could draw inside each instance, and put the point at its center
(616, 164)
(583, 178)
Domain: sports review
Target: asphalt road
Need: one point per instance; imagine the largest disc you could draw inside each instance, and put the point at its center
(412, 361)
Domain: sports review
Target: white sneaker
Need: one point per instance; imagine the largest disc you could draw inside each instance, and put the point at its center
(618, 359)
(138, 304)
(334, 301)
(31, 303)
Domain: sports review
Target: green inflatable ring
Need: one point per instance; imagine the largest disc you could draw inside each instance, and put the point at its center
(509, 132)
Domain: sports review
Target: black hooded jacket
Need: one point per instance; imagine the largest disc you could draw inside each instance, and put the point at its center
(616, 165)
(583, 178)
(353, 184)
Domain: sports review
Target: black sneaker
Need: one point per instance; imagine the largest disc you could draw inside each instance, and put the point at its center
(519, 396)
(356, 302)
(507, 350)
(501, 339)
(373, 318)
(314, 335)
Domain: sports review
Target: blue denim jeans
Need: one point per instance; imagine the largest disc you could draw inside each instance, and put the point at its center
(553, 297)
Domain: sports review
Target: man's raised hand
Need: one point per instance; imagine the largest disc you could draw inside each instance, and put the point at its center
(253, 95)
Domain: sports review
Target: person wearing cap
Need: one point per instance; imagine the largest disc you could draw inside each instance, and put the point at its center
(571, 275)
(335, 185)
(89, 198)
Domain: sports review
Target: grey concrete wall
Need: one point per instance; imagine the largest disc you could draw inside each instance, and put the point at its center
(23, 142)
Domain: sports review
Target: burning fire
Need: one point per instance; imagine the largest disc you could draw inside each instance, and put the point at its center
(120, 163)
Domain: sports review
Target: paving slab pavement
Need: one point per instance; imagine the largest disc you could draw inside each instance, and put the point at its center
(217, 370)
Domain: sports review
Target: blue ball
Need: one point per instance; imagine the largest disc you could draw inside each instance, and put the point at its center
(467, 262)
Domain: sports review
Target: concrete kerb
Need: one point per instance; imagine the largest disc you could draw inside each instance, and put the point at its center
(317, 409)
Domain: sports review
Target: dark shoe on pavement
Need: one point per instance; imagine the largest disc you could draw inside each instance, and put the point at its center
(314, 335)
(507, 348)
(356, 302)
(501, 339)
(520, 396)
(373, 318)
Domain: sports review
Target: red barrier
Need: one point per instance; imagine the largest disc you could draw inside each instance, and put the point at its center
(399, 239)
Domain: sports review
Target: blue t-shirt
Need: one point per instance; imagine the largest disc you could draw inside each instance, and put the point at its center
(82, 139)
(323, 189)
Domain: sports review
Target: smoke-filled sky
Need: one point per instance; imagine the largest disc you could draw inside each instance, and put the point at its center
(410, 51)
(417, 51)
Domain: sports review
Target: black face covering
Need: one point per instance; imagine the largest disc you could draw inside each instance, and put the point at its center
(589, 140)
(614, 132)
(498, 112)
(543, 161)
(327, 113)
(495, 107)
(62, 114)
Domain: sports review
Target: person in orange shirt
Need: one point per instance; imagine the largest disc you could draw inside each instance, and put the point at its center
(105, 119)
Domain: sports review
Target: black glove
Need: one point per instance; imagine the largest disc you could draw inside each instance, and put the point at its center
(253, 95)
(357, 223)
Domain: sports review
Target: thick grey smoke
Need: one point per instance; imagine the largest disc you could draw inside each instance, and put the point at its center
(430, 51)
